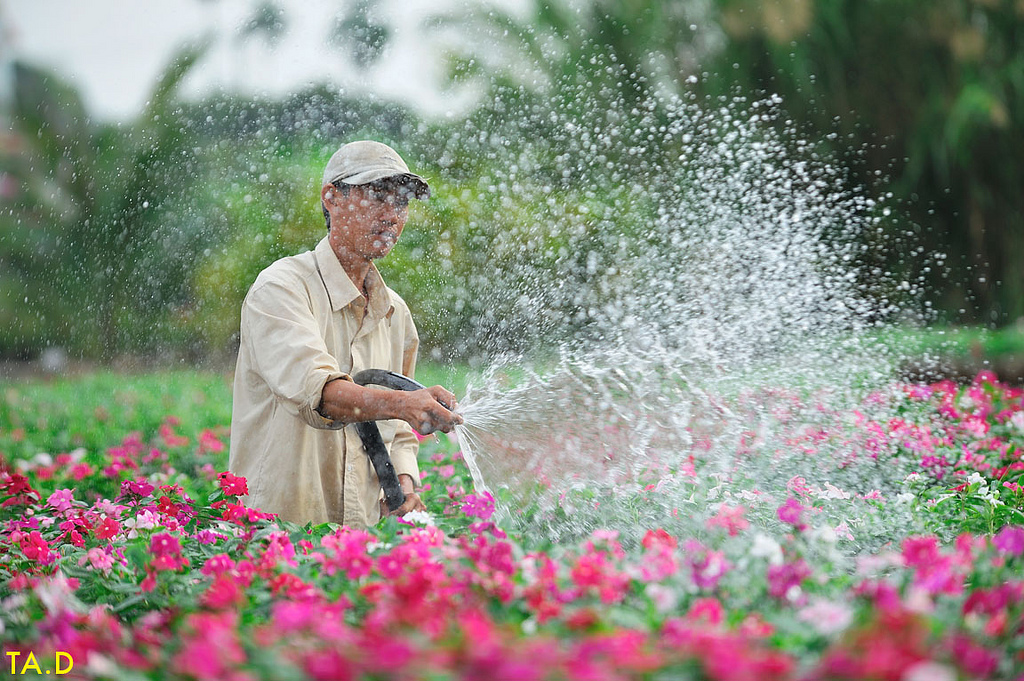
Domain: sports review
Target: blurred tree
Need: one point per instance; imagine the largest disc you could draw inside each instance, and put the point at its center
(362, 31)
(85, 211)
(267, 21)
(933, 93)
(923, 98)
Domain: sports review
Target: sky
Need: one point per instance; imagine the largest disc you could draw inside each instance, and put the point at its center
(113, 50)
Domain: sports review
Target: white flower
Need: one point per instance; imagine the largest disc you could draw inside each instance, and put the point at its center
(927, 670)
(146, 520)
(826, 617)
(1017, 421)
(766, 547)
(904, 498)
(419, 518)
(42, 459)
(101, 665)
(825, 533)
(832, 492)
(664, 598)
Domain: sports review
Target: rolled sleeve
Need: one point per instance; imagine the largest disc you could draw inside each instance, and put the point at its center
(310, 412)
(288, 351)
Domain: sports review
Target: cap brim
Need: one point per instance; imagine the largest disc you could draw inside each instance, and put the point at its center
(421, 189)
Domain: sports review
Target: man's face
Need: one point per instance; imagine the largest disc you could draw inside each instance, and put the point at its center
(366, 224)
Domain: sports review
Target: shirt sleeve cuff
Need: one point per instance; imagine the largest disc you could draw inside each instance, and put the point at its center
(309, 411)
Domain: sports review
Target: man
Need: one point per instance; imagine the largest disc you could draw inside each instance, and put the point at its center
(309, 323)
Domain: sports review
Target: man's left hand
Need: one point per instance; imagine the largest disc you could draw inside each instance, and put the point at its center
(412, 499)
(412, 503)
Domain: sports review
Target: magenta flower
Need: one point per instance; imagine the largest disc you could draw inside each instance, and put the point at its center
(791, 512)
(921, 552)
(136, 487)
(166, 550)
(478, 505)
(1010, 540)
(346, 551)
(782, 578)
(706, 567)
(218, 565)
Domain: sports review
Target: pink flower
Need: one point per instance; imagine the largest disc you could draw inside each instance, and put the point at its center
(98, 559)
(61, 500)
(209, 442)
(213, 651)
(224, 592)
(708, 610)
(592, 571)
(798, 485)
(729, 518)
(1010, 540)
(826, 617)
(972, 658)
(170, 438)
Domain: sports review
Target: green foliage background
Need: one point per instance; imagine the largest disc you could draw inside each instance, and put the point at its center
(142, 238)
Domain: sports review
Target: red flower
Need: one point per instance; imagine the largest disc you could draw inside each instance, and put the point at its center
(223, 593)
(233, 485)
(659, 538)
(107, 528)
(35, 548)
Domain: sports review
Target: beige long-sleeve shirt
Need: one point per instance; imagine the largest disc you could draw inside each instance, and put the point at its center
(304, 323)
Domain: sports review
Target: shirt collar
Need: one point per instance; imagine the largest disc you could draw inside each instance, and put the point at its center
(343, 292)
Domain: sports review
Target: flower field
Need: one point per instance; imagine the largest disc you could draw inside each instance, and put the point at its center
(124, 554)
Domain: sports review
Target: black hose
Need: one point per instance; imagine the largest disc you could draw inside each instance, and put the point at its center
(372, 441)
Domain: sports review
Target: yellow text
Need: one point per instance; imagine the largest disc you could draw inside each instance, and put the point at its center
(62, 664)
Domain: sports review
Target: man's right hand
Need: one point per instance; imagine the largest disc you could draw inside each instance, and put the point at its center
(429, 410)
(425, 410)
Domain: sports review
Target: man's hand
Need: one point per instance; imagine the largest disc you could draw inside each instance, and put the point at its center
(425, 410)
(413, 502)
(430, 409)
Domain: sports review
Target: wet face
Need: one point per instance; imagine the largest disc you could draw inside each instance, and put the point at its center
(365, 223)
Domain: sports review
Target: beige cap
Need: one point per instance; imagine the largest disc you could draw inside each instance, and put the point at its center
(366, 161)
